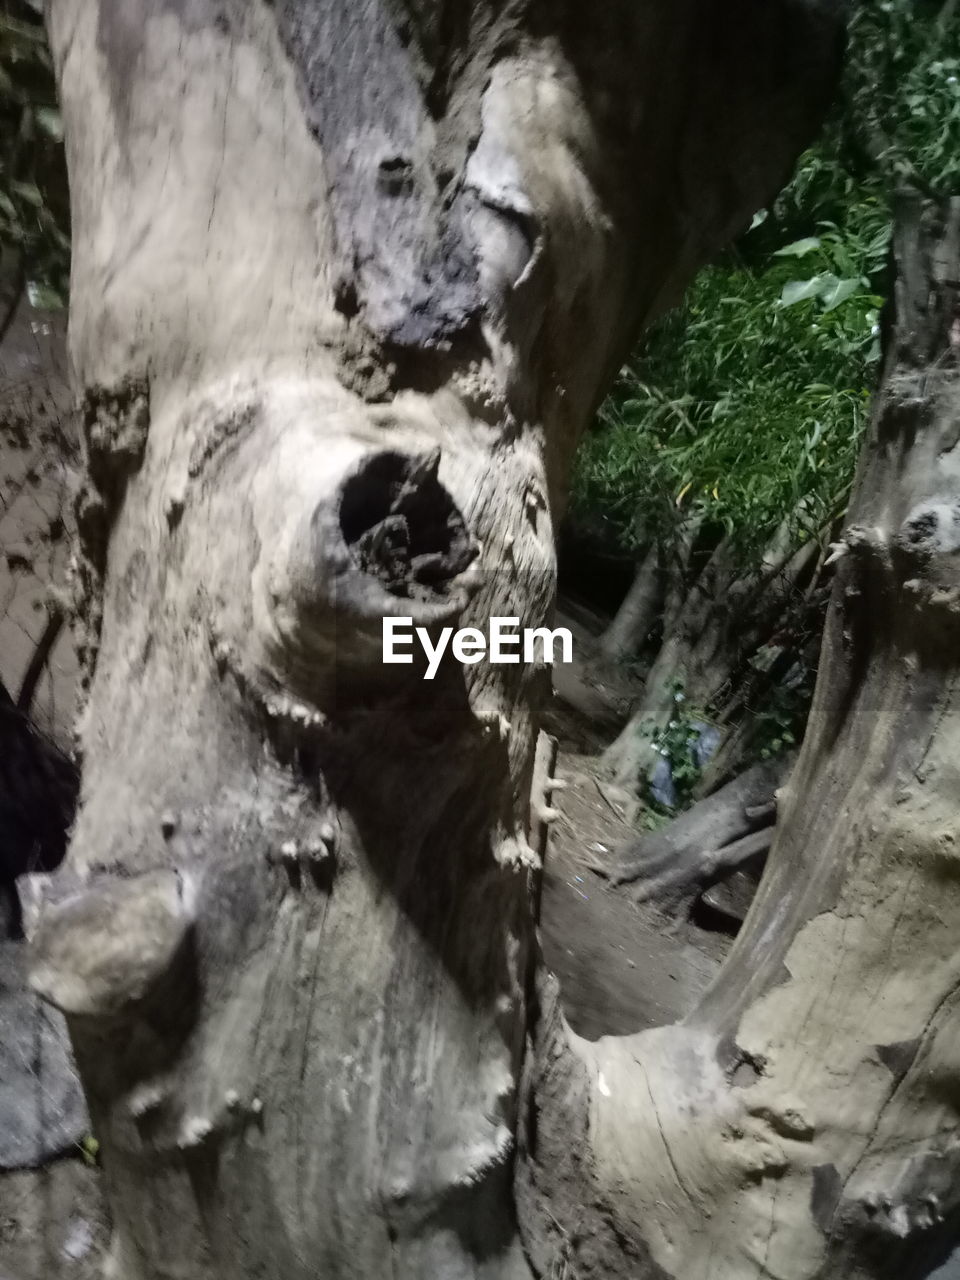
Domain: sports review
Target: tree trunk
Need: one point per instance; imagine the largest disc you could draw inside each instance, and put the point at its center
(707, 639)
(695, 659)
(819, 1066)
(638, 612)
(348, 281)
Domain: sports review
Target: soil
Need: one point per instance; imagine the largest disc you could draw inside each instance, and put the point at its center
(53, 1224)
(622, 966)
(37, 444)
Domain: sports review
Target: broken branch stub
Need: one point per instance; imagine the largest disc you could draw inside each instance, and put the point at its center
(105, 949)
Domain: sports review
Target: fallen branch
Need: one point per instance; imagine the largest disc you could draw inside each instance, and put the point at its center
(672, 866)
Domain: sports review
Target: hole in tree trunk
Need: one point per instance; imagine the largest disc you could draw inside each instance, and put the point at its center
(402, 526)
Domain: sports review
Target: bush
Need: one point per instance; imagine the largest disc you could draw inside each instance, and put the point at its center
(34, 217)
(747, 404)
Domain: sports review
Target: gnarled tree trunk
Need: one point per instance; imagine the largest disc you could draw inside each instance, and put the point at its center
(348, 281)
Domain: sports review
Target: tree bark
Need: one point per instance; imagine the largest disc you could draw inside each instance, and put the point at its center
(638, 612)
(39, 658)
(348, 281)
(695, 653)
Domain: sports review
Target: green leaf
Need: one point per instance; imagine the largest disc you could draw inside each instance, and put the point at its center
(43, 296)
(839, 293)
(49, 120)
(799, 248)
(795, 291)
(28, 191)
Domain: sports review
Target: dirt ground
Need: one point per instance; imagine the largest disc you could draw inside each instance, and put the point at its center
(622, 967)
(37, 440)
(52, 1223)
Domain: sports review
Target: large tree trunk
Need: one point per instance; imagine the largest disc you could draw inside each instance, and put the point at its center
(348, 280)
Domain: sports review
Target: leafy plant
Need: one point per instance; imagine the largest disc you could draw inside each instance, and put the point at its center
(34, 217)
(745, 406)
(90, 1150)
(677, 743)
(777, 725)
(901, 109)
(740, 415)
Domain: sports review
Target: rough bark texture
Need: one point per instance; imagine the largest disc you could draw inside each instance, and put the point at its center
(38, 455)
(42, 1111)
(803, 1122)
(315, 244)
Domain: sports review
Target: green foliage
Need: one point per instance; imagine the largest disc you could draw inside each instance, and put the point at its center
(90, 1150)
(777, 724)
(902, 99)
(677, 742)
(747, 404)
(33, 191)
(743, 404)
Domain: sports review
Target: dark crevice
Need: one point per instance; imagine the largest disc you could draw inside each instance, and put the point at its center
(403, 527)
